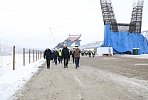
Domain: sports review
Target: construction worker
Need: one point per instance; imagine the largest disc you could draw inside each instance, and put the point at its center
(93, 53)
(60, 56)
(86, 52)
(82, 53)
(89, 53)
(77, 52)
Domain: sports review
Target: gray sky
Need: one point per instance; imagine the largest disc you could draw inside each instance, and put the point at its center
(28, 22)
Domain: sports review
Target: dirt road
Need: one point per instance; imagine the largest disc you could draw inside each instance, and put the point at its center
(99, 78)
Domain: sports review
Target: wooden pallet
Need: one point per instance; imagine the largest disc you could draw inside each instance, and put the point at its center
(107, 55)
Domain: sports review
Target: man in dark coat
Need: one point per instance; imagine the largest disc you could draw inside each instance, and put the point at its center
(55, 56)
(47, 56)
(65, 54)
(73, 58)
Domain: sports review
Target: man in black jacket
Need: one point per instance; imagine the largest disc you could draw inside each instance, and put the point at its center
(55, 56)
(47, 56)
(65, 53)
(73, 58)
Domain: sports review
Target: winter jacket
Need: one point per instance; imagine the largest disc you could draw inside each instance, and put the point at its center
(65, 53)
(77, 52)
(72, 53)
(60, 54)
(55, 54)
(47, 54)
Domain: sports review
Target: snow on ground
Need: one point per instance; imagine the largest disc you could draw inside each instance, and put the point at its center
(142, 56)
(6, 62)
(13, 80)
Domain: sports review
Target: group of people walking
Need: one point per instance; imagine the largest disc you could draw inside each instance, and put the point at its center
(63, 54)
(89, 53)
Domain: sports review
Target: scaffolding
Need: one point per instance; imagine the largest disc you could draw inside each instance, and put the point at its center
(108, 14)
(136, 18)
(109, 17)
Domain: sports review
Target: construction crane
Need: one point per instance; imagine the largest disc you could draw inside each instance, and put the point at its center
(52, 36)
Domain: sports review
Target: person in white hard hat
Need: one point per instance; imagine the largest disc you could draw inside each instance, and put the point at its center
(77, 52)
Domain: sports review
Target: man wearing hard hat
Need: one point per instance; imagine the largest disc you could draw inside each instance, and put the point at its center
(77, 52)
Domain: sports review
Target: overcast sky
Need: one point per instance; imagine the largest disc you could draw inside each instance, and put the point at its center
(28, 22)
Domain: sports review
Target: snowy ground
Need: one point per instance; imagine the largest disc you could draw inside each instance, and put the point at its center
(13, 80)
(142, 56)
(6, 64)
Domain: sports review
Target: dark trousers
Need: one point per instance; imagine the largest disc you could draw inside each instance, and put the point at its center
(66, 62)
(93, 55)
(73, 58)
(89, 55)
(60, 60)
(77, 61)
(48, 62)
(55, 60)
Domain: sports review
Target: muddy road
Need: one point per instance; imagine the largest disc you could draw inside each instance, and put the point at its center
(99, 78)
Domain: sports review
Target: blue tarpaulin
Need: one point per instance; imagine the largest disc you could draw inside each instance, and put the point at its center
(124, 41)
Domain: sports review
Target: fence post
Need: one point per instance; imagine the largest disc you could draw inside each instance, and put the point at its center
(29, 55)
(13, 57)
(33, 55)
(23, 56)
(36, 55)
(40, 54)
